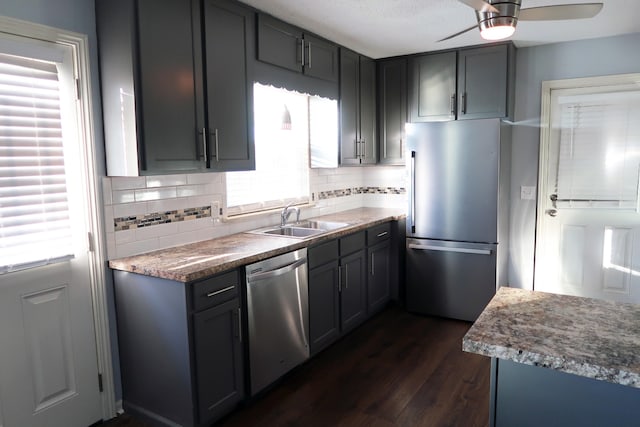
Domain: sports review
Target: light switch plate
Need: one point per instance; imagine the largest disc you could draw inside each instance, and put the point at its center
(527, 192)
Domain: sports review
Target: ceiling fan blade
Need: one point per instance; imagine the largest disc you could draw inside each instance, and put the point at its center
(457, 34)
(560, 12)
(480, 5)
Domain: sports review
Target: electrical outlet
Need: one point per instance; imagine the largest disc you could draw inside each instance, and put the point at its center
(527, 192)
(216, 211)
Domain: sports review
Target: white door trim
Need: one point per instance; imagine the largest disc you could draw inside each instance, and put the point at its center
(97, 257)
(545, 117)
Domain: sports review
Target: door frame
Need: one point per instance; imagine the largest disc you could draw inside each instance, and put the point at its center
(545, 138)
(79, 43)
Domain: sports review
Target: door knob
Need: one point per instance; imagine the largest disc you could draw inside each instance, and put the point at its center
(552, 212)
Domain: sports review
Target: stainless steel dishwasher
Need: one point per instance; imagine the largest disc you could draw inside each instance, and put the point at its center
(278, 316)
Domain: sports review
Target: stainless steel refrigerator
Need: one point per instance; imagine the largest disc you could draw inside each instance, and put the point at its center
(458, 219)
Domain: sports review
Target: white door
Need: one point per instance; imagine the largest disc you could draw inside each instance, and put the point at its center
(588, 229)
(48, 362)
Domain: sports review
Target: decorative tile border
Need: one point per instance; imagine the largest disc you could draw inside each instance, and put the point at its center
(323, 195)
(139, 221)
(156, 218)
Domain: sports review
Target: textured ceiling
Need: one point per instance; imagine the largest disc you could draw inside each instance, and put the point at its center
(382, 28)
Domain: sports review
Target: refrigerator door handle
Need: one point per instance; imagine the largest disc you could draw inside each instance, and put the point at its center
(450, 249)
(413, 191)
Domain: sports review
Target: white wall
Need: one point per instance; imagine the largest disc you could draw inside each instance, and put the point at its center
(587, 58)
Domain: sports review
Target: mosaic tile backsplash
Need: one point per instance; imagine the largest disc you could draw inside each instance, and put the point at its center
(157, 218)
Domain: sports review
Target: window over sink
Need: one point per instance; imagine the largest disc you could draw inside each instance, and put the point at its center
(288, 127)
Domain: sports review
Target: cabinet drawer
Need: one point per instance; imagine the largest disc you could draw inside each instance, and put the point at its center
(215, 290)
(351, 243)
(378, 233)
(323, 253)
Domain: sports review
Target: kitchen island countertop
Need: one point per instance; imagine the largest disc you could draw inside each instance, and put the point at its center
(186, 263)
(582, 336)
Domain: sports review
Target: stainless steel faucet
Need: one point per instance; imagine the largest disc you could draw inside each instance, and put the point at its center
(286, 213)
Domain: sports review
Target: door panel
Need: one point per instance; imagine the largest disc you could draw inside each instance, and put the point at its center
(368, 110)
(588, 229)
(229, 88)
(321, 59)
(324, 304)
(48, 339)
(48, 372)
(455, 171)
(392, 92)
(279, 43)
(482, 82)
(349, 107)
(433, 87)
(353, 298)
(168, 112)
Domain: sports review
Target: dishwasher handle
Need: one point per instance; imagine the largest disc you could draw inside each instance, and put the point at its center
(276, 272)
(450, 249)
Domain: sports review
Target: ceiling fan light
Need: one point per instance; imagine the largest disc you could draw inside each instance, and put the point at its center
(498, 32)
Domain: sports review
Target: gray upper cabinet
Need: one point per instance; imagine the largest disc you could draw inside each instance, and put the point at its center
(228, 31)
(392, 110)
(466, 84)
(433, 87)
(159, 104)
(482, 82)
(150, 88)
(169, 119)
(289, 47)
(357, 109)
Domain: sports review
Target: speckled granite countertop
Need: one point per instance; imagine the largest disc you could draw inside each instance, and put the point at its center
(194, 261)
(583, 336)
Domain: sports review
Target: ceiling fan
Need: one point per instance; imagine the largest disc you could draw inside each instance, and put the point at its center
(497, 19)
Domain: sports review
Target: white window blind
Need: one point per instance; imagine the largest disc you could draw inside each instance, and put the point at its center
(34, 213)
(599, 153)
(282, 154)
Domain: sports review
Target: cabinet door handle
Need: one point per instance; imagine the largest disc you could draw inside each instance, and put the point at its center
(240, 324)
(308, 55)
(346, 276)
(373, 272)
(384, 233)
(464, 103)
(221, 291)
(216, 144)
(301, 52)
(453, 104)
(204, 145)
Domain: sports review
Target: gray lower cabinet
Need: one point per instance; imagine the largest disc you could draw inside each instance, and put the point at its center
(337, 289)
(532, 396)
(290, 47)
(379, 267)
(392, 110)
(180, 345)
(357, 109)
(469, 83)
(165, 109)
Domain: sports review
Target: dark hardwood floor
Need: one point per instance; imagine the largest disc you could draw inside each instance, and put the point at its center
(398, 369)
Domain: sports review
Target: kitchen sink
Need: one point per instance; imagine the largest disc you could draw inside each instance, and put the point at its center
(294, 231)
(301, 229)
(320, 225)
